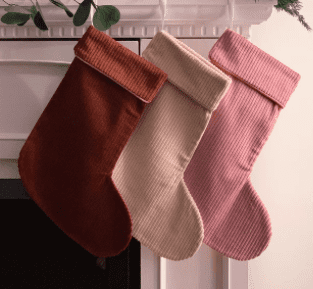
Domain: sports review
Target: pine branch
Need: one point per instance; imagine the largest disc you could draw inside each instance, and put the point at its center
(292, 7)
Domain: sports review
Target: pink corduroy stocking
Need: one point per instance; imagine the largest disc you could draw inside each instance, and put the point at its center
(236, 222)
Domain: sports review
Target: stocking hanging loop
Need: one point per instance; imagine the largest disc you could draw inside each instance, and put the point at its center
(232, 13)
(162, 4)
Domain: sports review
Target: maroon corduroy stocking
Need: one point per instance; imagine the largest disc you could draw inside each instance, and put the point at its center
(67, 161)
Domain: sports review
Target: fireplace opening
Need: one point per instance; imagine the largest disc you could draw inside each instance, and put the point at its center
(36, 253)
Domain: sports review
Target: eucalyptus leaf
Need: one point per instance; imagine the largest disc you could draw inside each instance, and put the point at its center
(105, 16)
(39, 10)
(100, 20)
(82, 13)
(39, 20)
(114, 14)
(33, 10)
(16, 8)
(22, 24)
(61, 5)
(69, 13)
(14, 18)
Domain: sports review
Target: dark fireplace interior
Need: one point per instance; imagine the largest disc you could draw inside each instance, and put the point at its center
(35, 253)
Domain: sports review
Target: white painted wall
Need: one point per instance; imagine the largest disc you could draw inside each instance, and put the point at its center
(283, 173)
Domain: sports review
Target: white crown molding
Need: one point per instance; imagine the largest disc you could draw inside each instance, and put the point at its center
(186, 20)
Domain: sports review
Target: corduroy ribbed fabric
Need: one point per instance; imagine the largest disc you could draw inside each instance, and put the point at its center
(148, 172)
(236, 222)
(67, 161)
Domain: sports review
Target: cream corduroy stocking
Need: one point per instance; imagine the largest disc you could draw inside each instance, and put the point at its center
(150, 168)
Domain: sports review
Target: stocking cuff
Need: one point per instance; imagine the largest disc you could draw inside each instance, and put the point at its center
(131, 71)
(238, 57)
(187, 70)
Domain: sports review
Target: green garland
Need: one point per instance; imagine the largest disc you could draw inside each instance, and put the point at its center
(105, 15)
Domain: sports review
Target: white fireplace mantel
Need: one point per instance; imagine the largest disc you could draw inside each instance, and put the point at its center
(139, 19)
(142, 18)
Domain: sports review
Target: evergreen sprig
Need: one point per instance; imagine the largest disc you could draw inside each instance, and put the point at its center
(292, 7)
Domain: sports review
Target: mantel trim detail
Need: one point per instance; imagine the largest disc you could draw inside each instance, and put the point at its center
(192, 21)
